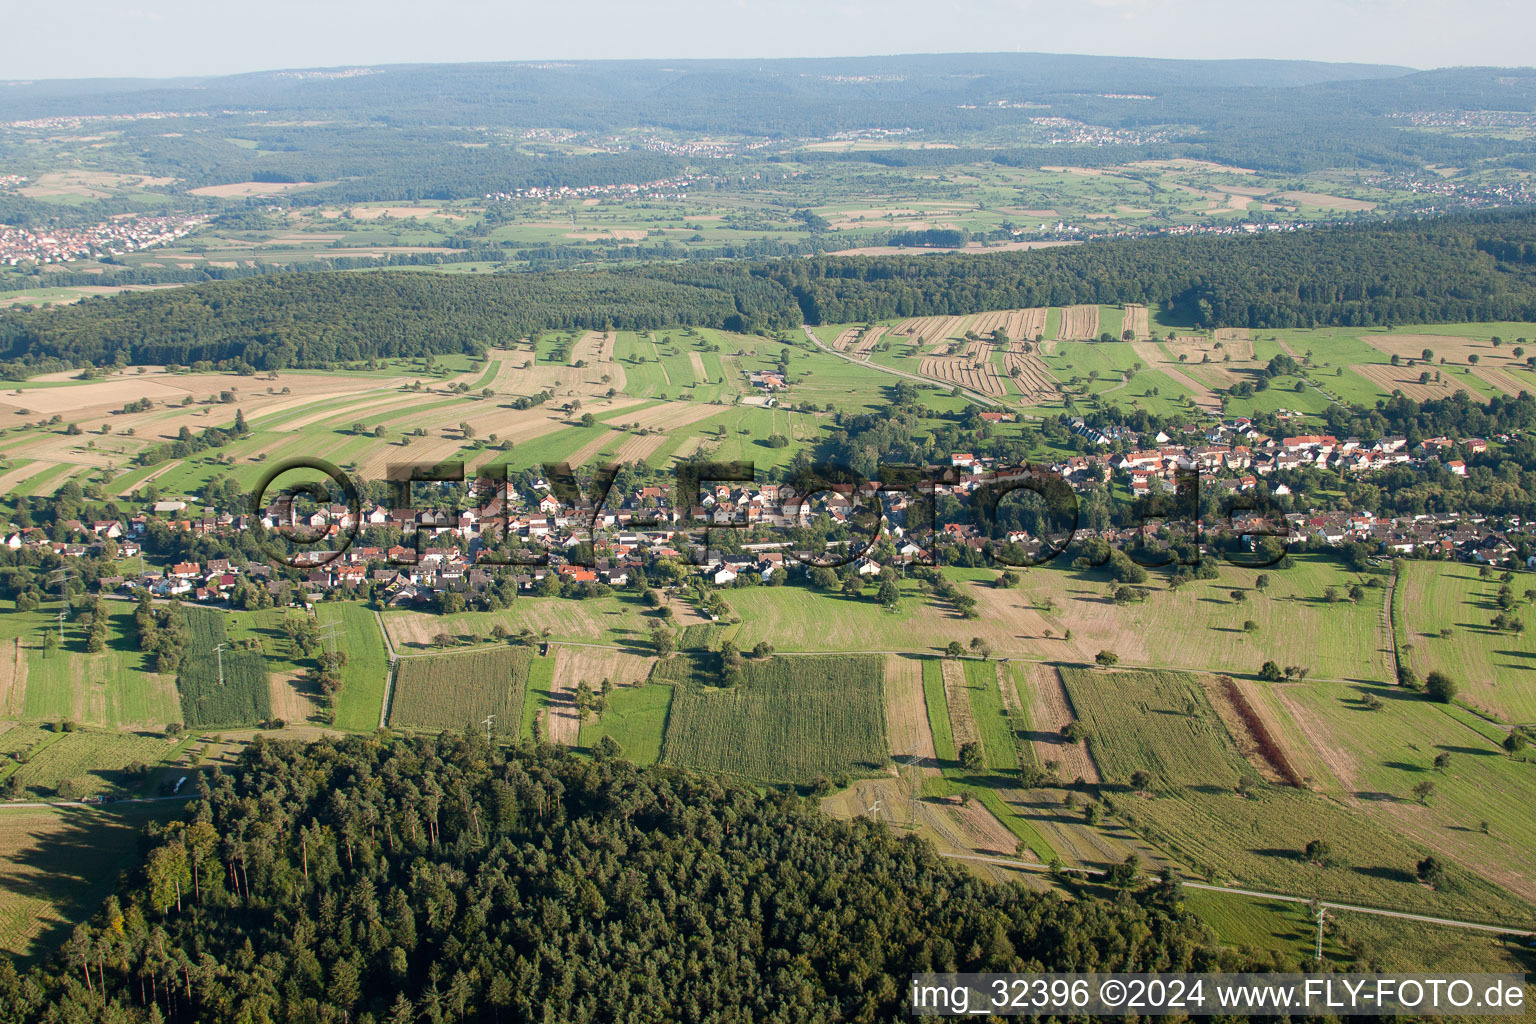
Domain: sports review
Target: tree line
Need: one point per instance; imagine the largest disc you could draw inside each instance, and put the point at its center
(1449, 269)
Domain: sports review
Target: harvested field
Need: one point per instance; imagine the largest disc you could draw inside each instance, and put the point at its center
(75, 398)
(1026, 324)
(638, 449)
(1326, 202)
(13, 680)
(1406, 379)
(587, 452)
(906, 714)
(1195, 347)
(967, 373)
(867, 341)
(696, 363)
(1453, 348)
(1214, 375)
(1078, 323)
(1149, 354)
(1137, 322)
(930, 328)
(11, 478)
(1511, 386)
(962, 722)
(667, 416)
(1248, 731)
(293, 698)
(1050, 711)
(1030, 375)
(245, 189)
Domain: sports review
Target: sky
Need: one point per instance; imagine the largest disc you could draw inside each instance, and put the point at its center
(165, 38)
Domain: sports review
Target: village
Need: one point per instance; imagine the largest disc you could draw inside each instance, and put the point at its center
(122, 234)
(735, 533)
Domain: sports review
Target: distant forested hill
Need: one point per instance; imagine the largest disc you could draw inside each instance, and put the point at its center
(1445, 270)
(444, 880)
(411, 121)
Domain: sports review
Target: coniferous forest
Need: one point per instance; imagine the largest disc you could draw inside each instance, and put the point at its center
(449, 880)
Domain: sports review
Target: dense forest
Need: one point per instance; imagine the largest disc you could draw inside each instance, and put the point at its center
(447, 879)
(1442, 270)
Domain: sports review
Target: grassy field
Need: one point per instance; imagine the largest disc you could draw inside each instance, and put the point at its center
(1375, 759)
(636, 717)
(991, 720)
(620, 619)
(1495, 670)
(1358, 941)
(789, 720)
(1200, 626)
(538, 695)
(367, 668)
(109, 688)
(452, 691)
(92, 763)
(938, 710)
(1162, 723)
(58, 864)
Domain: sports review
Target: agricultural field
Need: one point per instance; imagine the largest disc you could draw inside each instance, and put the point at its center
(619, 619)
(79, 764)
(636, 718)
(1445, 611)
(1356, 941)
(361, 701)
(459, 690)
(983, 691)
(56, 866)
(220, 688)
(790, 719)
(110, 688)
(1161, 722)
(1377, 757)
(1198, 626)
(938, 710)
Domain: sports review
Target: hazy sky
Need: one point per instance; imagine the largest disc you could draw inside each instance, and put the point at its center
(95, 38)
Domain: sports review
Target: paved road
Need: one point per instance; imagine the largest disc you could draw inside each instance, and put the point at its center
(1280, 897)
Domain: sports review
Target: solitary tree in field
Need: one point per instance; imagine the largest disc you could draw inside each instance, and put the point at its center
(1431, 872)
(1319, 852)
(1238, 596)
(1442, 761)
(971, 755)
(1107, 658)
(1423, 791)
(953, 649)
(1270, 672)
(1440, 687)
(1141, 780)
